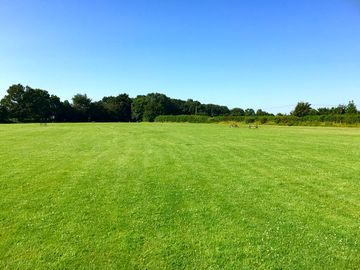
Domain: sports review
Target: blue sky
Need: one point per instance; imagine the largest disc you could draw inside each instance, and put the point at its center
(250, 53)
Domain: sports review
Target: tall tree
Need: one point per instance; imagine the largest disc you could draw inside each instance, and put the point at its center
(192, 107)
(177, 106)
(215, 110)
(249, 112)
(118, 108)
(26, 103)
(156, 104)
(138, 108)
(82, 104)
(13, 102)
(324, 111)
(56, 109)
(340, 109)
(4, 117)
(260, 112)
(68, 113)
(37, 104)
(351, 108)
(302, 109)
(237, 112)
(99, 113)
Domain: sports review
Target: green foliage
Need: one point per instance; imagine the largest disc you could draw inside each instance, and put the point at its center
(82, 105)
(37, 104)
(3, 114)
(68, 112)
(183, 118)
(116, 108)
(99, 112)
(138, 108)
(249, 112)
(237, 112)
(263, 119)
(260, 112)
(287, 120)
(25, 104)
(213, 110)
(156, 104)
(13, 102)
(191, 107)
(341, 109)
(249, 120)
(351, 108)
(302, 109)
(56, 109)
(229, 118)
(324, 111)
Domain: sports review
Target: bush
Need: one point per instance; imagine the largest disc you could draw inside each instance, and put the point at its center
(263, 120)
(249, 120)
(287, 120)
(183, 118)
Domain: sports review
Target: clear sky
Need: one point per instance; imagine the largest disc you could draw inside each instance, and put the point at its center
(242, 53)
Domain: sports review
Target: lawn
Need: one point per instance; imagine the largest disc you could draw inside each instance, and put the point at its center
(178, 196)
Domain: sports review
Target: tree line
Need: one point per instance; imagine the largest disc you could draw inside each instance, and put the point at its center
(27, 104)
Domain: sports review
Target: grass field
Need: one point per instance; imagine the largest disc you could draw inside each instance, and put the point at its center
(179, 196)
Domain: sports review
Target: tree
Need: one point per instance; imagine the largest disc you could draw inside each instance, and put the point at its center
(191, 107)
(237, 112)
(260, 112)
(176, 107)
(215, 110)
(68, 113)
(3, 114)
(146, 108)
(138, 108)
(81, 104)
(340, 109)
(37, 104)
(124, 107)
(324, 111)
(118, 108)
(151, 110)
(313, 112)
(13, 102)
(156, 104)
(98, 112)
(56, 109)
(302, 109)
(351, 108)
(27, 104)
(249, 112)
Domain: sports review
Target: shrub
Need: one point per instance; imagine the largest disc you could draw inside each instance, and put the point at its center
(249, 120)
(183, 118)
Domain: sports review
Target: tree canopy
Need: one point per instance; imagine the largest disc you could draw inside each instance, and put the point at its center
(302, 109)
(26, 104)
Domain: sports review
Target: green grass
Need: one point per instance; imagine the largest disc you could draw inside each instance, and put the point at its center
(179, 196)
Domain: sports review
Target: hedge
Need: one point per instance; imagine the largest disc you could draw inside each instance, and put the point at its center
(310, 120)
